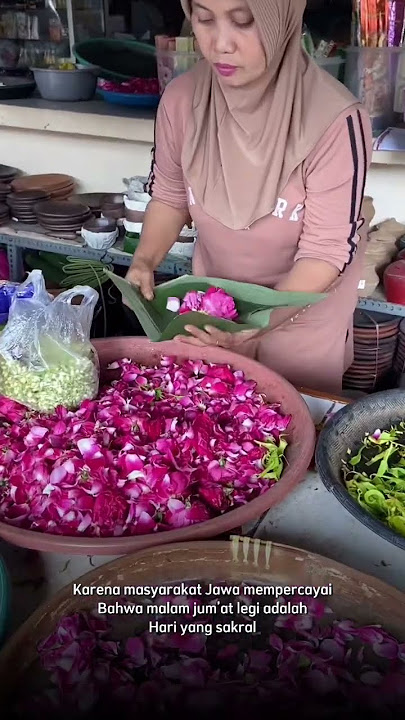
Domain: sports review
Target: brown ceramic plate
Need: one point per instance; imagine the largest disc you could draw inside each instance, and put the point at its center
(63, 208)
(61, 194)
(112, 199)
(365, 319)
(27, 195)
(52, 182)
(6, 172)
(63, 219)
(69, 227)
(92, 200)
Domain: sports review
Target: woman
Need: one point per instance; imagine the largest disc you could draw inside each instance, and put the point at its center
(268, 154)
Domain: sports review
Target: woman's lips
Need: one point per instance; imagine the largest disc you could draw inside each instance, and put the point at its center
(225, 70)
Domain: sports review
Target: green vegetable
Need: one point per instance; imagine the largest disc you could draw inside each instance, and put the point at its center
(273, 461)
(375, 476)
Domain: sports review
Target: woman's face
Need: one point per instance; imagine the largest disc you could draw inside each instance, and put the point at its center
(229, 39)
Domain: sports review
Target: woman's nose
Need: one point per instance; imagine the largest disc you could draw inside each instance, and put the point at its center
(224, 41)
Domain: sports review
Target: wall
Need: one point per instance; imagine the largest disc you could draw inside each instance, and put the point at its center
(99, 164)
(386, 184)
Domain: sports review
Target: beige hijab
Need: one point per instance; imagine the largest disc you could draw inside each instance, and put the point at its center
(242, 144)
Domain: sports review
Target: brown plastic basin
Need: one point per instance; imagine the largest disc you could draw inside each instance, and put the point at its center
(301, 438)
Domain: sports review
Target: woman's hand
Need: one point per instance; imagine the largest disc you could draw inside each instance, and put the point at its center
(217, 338)
(141, 275)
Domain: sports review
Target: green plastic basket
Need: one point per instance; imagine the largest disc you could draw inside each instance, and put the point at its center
(5, 595)
(118, 59)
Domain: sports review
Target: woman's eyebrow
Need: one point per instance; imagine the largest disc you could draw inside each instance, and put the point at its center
(235, 9)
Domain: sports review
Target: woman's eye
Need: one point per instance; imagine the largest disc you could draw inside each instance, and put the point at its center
(243, 21)
(205, 21)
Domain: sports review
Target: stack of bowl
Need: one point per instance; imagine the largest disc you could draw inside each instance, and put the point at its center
(56, 186)
(62, 218)
(93, 200)
(100, 233)
(399, 362)
(23, 204)
(8, 174)
(5, 191)
(4, 214)
(113, 207)
(375, 340)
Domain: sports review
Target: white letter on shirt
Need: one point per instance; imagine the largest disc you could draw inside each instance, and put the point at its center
(281, 207)
(294, 216)
(191, 197)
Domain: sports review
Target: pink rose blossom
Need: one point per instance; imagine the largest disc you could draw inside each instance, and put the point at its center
(218, 303)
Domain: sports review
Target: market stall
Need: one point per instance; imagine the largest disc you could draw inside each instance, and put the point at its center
(149, 463)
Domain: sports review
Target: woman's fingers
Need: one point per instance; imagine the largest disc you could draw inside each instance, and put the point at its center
(199, 334)
(187, 340)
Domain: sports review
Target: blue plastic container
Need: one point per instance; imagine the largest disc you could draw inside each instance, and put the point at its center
(5, 599)
(129, 99)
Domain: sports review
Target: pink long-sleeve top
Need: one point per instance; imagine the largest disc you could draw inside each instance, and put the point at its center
(319, 215)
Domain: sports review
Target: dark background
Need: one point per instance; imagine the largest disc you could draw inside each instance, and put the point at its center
(328, 19)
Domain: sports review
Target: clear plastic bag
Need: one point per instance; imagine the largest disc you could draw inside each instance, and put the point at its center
(46, 358)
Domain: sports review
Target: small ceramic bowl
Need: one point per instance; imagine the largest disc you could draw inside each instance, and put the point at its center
(100, 240)
(110, 210)
(101, 225)
(133, 227)
(134, 216)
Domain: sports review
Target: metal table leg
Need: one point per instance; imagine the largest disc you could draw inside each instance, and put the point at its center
(15, 261)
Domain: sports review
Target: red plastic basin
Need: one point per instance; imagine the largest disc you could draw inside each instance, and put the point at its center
(301, 438)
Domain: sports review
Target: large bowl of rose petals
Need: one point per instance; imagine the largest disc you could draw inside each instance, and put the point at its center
(180, 443)
(211, 630)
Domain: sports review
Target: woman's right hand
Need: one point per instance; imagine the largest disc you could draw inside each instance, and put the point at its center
(141, 275)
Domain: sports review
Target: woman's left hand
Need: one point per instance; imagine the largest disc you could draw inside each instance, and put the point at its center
(217, 338)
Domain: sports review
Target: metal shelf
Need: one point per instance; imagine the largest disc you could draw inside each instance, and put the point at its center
(16, 240)
(31, 238)
(381, 306)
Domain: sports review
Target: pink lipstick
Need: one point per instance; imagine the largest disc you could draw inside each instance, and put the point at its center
(225, 70)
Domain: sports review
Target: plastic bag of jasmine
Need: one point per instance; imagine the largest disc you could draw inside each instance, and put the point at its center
(46, 358)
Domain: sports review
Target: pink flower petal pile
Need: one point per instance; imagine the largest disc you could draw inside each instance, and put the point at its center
(215, 302)
(135, 86)
(160, 448)
(319, 667)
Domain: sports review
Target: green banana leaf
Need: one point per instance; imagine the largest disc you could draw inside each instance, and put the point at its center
(254, 304)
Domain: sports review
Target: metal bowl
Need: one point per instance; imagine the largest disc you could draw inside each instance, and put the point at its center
(347, 430)
(66, 85)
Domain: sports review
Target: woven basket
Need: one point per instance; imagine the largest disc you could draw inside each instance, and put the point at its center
(356, 596)
(347, 430)
(301, 438)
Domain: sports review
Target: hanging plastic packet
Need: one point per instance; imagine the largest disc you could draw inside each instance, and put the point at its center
(307, 41)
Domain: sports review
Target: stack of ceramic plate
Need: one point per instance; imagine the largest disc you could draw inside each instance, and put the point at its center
(7, 173)
(375, 340)
(93, 200)
(399, 361)
(5, 191)
(23, 204)
(62, 218)
(56, 186)
(4, 214)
